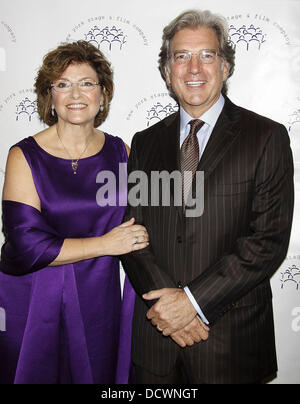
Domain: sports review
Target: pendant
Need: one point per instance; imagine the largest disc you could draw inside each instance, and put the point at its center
(74, 166)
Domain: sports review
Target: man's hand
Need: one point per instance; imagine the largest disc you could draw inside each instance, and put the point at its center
(192, 333)
(172, 312)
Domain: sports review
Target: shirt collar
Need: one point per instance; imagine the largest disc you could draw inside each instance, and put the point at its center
(210, 116)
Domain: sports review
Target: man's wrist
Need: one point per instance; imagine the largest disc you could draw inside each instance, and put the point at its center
(195, 304)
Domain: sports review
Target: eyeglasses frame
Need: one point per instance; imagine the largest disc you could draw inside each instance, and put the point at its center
(70, 88)
(198, 56)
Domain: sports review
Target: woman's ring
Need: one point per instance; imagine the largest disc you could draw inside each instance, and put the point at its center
(136, 240)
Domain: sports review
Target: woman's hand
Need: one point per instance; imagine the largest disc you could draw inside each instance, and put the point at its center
(125, 238)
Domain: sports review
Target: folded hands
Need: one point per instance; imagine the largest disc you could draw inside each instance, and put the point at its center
(175, 316)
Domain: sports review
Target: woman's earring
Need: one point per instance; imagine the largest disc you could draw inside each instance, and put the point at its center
(101, 109)
(52, 111)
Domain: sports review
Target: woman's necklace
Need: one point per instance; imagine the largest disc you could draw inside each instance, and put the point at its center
(74, 162)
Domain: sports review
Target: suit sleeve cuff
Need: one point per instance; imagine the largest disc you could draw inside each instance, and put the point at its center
(195, 304)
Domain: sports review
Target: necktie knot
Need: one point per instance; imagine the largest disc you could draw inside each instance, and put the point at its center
(195, 125)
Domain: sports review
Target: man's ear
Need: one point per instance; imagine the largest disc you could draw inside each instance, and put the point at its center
(225, 70)
(167, 73)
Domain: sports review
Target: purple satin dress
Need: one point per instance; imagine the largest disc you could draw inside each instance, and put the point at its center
(64, 324)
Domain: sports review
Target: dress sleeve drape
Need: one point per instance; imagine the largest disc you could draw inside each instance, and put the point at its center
(30, 243)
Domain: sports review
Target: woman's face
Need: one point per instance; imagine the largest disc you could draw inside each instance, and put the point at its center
(77, 105)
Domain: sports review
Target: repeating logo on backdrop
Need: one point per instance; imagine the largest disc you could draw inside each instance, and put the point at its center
(294, 118)
(19, 110)
(21, 104)
(106, 37)
(159, 111)
(253, 31)
(290, 278)
(246, 36)
(26, 109)
(107, 32)
(152, 109)
(292, 123)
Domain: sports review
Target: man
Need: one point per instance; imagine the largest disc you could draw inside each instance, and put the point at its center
(203, 311)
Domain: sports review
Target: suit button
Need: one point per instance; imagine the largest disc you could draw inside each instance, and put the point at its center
(179, 239)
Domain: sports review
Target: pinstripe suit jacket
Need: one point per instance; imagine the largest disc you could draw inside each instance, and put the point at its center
(227, 255)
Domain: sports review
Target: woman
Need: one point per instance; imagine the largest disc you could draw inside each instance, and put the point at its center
(63, 311)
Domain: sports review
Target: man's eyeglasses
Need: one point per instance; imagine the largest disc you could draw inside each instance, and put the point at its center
(205, 56)
(63, 86)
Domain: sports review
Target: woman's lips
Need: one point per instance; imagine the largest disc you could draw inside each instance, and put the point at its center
(75, 107)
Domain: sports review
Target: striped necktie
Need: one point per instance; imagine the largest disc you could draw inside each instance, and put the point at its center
(189, 157)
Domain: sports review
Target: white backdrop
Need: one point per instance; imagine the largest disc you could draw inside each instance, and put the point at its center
(267, 80)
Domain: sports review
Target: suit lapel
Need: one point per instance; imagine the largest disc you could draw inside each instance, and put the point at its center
(224, 133)
(169, 147)
(169, 143)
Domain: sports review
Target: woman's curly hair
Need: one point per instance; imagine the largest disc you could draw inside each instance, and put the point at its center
(57, 61)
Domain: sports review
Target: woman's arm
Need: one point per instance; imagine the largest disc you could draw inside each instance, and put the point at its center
(19, 187)
(18, 183)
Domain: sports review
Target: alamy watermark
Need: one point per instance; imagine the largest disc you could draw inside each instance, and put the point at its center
(2, 319)
(154, 189)
(296, 321)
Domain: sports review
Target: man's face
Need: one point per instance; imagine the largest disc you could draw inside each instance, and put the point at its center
(196, 85)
